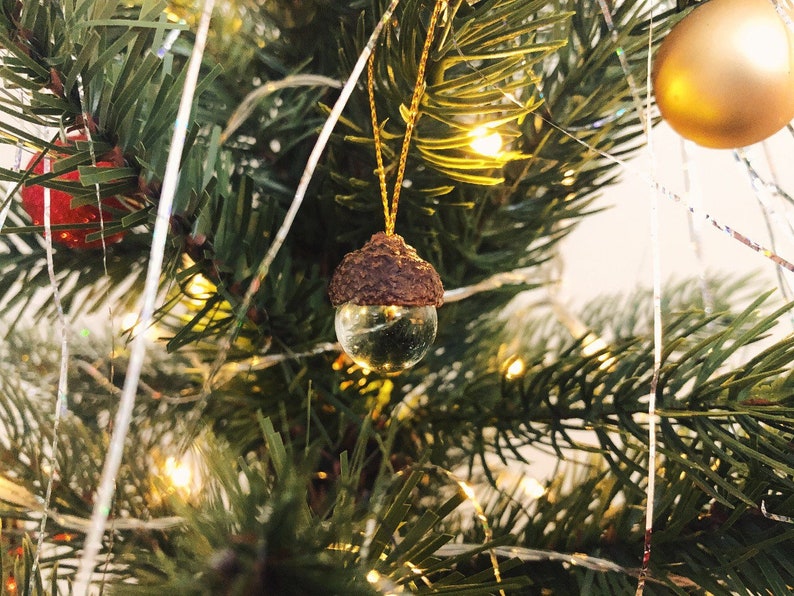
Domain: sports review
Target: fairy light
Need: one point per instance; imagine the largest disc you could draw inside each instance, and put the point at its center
(383, 584)
(486, 141)
(515, 368)
(418, 572)
(199, 289)
(468, 490)
(199, 285)
(179, 474)
(129, 321)
(532, 487)
(569, 178)
(130, 324)
(593, 344)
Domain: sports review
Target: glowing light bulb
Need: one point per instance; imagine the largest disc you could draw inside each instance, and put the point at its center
(592, 344)
(198, 290)
(515, 369)
(386, 339)
(532, 487)
(569, 178)
(467, 490)
(128, 321)
(486, 142)
(178, 473)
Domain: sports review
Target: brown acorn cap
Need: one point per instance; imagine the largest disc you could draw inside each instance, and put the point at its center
(385, 271)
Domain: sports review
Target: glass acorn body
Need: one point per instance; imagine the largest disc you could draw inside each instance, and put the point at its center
(385, 338)
(386, 298)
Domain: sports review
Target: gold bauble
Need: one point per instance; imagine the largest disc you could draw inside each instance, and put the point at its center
(724, 75)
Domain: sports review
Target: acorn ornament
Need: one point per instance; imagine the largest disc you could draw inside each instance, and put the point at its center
(386, 295)
(61, 210)
(386, 298)
(723, 77)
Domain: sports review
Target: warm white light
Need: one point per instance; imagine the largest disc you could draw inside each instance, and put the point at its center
(199, 289)
(178, 473)
(373, 577)
(129, 321)
(515, 369)
(198, 285)
(592, 344)
(467, 490)
(532, 488)
(486, 142)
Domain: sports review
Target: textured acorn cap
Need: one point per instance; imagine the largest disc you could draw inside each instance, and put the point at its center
(385, 271)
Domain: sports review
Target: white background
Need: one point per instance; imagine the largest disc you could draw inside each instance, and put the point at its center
(611, 252)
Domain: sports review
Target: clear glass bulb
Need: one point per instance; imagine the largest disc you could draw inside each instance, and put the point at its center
(386, 338)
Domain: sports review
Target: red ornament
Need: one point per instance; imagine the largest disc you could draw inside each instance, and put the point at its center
(61, 211)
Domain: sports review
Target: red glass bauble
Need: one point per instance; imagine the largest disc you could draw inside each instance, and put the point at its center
(61, 211)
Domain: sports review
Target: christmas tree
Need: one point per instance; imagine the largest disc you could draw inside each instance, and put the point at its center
(208, 165)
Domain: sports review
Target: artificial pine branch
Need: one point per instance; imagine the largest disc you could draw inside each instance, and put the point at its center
(725, 425)
(213, 202)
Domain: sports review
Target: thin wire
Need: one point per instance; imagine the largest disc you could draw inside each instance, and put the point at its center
(250, 101)
(763, 191)
(668, 194)
(111, 319)
(61, 399)
(486, 527)
(695, 197)
(297, 200)
(643, 112)
(16, 494)
(479, 510)
(390, 211)
(536, 554)
(624, 64)
(104, 495)
(657, 335)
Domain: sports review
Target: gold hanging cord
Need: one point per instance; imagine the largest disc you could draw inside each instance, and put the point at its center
(390, 211)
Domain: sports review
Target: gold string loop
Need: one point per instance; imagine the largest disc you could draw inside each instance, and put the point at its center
(390, 207)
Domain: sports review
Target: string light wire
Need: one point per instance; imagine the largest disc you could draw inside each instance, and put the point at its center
(297, 200)
(657, 318)
(695, 198)
(643, 112)
(87, 121)
(764, 194)
(63, 376)
(104, 495)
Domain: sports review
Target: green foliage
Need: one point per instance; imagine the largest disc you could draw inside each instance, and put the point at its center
(723, 432)
(319, 474)
(233, 190)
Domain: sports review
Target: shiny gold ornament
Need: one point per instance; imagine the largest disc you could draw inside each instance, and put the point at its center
(724, 75)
